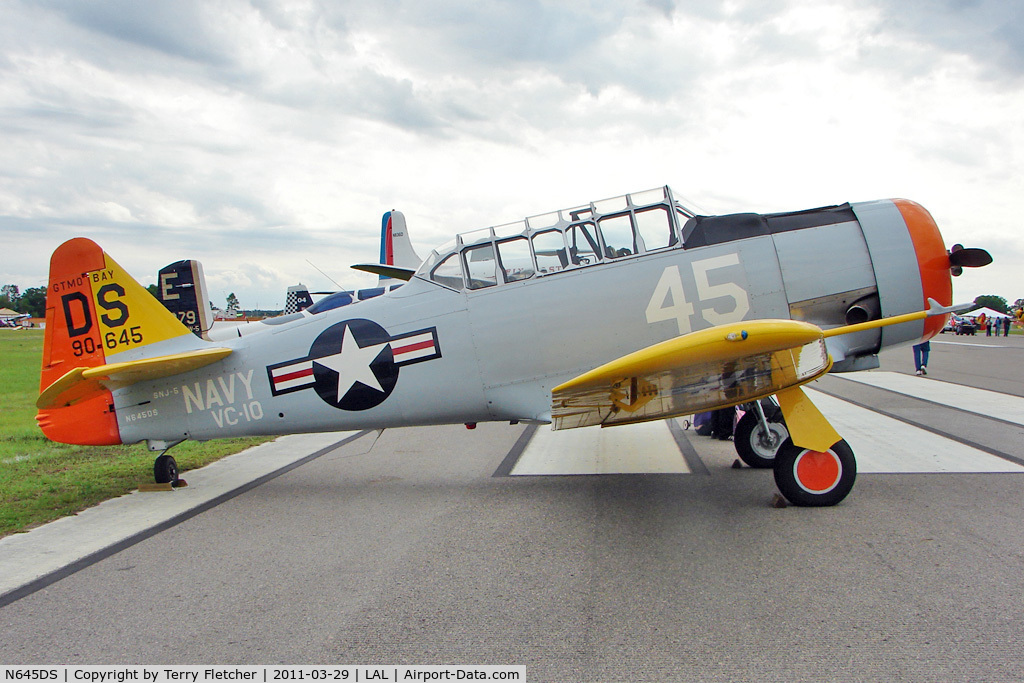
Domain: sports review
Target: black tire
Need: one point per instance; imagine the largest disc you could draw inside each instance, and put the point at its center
(749, 442)
(827, 477)
(165, 470)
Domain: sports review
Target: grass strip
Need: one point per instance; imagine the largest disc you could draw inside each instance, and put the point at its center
(41, 480)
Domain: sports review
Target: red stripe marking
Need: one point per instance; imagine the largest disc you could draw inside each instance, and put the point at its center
(413, 347)
(389, 249)
(308, 372)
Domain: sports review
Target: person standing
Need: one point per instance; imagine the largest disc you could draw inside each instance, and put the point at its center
(921, 352)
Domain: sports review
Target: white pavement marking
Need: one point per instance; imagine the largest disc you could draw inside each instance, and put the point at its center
(29, 556)
(646, 448)
(885, 445)
(986, 346)
(993, 404)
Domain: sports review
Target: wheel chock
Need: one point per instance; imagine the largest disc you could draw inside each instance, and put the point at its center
(169, 486)
(148, 488)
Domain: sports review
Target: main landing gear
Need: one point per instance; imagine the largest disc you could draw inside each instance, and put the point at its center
(805, 477)
(165, 470)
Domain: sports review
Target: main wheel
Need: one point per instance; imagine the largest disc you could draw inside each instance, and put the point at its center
(753, 445)
(165, 470)
(814, 479)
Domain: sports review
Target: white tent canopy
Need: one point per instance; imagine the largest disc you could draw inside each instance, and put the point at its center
(989, 313)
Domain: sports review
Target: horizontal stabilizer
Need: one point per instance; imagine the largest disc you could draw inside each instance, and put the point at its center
(83, 383)
(396, 272)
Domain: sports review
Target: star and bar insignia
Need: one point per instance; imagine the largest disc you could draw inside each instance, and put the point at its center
(354, 365)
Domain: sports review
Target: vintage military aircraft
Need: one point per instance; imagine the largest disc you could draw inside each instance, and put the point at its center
(181, 286)
(618, 311)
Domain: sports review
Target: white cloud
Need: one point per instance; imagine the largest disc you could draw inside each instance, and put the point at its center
(271, 132)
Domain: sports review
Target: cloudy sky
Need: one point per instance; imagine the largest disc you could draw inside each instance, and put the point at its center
(261, 135)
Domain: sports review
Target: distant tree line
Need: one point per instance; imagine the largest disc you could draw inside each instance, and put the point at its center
(997, 303)
(31, 301)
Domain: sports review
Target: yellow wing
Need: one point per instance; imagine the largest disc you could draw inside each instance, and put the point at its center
(700, 371)
(714, 368)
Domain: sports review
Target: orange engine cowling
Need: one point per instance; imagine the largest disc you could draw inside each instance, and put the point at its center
(932, 260)
(910, 263)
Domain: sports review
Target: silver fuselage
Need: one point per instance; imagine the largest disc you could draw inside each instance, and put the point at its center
(458, 354)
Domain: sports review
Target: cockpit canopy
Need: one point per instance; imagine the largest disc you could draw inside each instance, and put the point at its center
(538, 246)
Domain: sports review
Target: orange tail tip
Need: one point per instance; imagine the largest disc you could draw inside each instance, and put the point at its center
(95, 312)
(89, 423)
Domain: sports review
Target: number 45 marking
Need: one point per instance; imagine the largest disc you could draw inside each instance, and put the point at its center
(681, 310)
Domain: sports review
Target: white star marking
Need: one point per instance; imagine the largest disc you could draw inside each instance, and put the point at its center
(352, 363)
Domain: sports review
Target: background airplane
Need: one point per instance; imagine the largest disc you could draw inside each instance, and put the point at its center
(182, 287)
(14, 320)
(618, 311)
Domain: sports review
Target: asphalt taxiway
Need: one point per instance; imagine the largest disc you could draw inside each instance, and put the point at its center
(497, 546)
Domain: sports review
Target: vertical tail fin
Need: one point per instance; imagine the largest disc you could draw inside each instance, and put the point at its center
(297, 299)
(97, 314)
(182, 290)
(395, 246)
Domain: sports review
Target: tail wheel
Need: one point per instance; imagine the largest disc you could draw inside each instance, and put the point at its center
(812, 478)
(754, 447)
(165, 470)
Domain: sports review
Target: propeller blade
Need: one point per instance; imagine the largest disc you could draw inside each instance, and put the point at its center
(969, 258)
